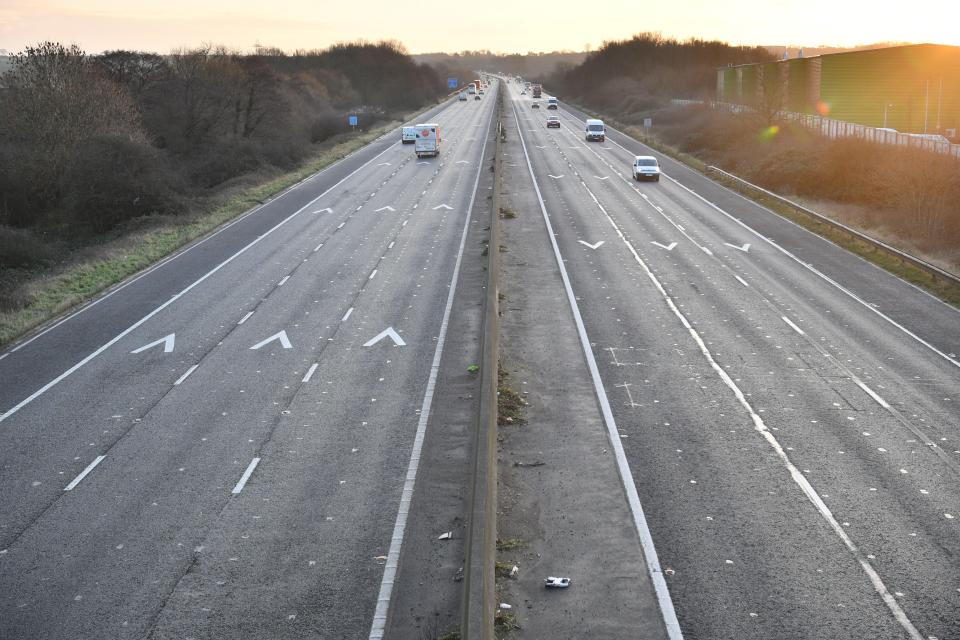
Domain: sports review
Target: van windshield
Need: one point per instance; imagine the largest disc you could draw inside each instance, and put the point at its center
(646, 162)
(595, 127)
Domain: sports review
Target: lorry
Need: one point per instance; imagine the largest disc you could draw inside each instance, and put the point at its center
(537, 90)
(477, 84)
(428, 139)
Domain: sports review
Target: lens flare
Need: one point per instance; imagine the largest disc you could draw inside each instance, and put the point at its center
(769, 132)
(823, 108)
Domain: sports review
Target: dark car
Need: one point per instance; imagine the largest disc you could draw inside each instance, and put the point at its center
(535, 105)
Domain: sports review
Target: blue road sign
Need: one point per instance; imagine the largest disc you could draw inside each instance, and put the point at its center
(352, 120)
(451, 83)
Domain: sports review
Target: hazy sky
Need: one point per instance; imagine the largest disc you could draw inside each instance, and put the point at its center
(455, 25)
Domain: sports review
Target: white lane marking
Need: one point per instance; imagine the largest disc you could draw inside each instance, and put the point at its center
(340, 226)
(386, 333)
(309, 374)
(707, 251)
(167, 341)
(951, 359)
(555, 177)
(346, 315)
(603, 178)
(792, 325)
(405, 222)
(761, 428)
(870, 392)
(442, 206)
(246, 476)
(120, 336)
(592, 246)
(281, 336)
(326, 210)
(184, 376)
(668, 247)
(317, 248)
(742, 281)
(386, 208)
(461, 162)
(378, 627)
(246, 317)
(745, 248)
(283, 281)
(370, 277)
(626, 476)
(390, 246)
(383, 164)
(83, 474)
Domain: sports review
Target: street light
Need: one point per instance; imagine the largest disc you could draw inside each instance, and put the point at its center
(885, 107)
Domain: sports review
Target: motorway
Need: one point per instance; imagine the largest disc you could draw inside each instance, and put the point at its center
(241, 441)
(788, 413)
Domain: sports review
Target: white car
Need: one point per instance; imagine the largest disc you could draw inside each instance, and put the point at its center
(646, 168)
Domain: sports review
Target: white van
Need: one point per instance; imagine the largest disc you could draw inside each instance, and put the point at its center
(595, 130)
(646, 168)
(553, 103)
(408, 135)
(428, 140)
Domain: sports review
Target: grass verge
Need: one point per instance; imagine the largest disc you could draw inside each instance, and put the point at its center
(55, 292)
(509, 403)
(946, 291)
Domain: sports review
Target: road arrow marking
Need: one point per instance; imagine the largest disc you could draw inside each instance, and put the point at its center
(423, 162)
(603, 178)
(381, 164)
(327, 210)
(388, 332)
(386, 208)
(592, 246)
(442, 206)
(539, 147)
(745, 248)
(167, 344)
(462, 162)
(668, 247)
(282, 337)
(555, 177)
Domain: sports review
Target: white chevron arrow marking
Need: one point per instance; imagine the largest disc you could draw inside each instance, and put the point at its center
(668, 247)
(592, 246)
(386, 208)
(327, 210)
(462, 162)
(555, 177)
(442, 206)
(423, 163)
(386, 333)
(382, 164)
(167, 341)
(603, 178)
(282, 337)
(745, 248)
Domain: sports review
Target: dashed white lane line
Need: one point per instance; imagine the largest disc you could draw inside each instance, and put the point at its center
(626, 475)
(793, 325)
(246, 317)
(309, 374)
(378, 627)
(346, 315)
(390, 246)
(370, 277)
(283, 281)
(84, 473)
(870, 392)
(246, 476)
(317, 248)
(761, 427)
(340, 226)
(742, 281)
(184, 376)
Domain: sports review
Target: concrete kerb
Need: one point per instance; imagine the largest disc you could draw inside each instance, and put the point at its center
(479, 596)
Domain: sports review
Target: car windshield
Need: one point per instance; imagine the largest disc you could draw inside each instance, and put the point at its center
(646, 162)
(595, 127)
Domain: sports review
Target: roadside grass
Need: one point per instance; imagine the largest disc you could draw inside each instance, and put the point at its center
(509, 544)
(49, 293)
(510, 406)
(946, 291)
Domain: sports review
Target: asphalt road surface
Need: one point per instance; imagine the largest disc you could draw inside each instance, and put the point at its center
(226, 446)
(789, 412)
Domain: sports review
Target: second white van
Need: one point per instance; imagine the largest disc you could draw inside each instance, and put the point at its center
(408, 135)
(595, 130)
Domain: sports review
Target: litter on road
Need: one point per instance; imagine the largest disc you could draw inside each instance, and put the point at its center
(556, 583)
(445, 536)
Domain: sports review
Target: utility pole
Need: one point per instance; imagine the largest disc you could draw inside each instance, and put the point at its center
(939, 101)
(926, 107)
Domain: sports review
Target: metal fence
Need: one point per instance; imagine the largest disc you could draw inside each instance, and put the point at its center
(840, 129)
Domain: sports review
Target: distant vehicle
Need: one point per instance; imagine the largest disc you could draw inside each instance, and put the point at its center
(477, 83)
(523, 93)
(595, 130)
(428, 140)
(646, 168)
(887, 129)
(537, 90)
(929, 136)
(535, 105)
(408, 135)
(471, 88)
(553, 103)
(553, 121)
(477, 97)
(480, 92)
(462, 97)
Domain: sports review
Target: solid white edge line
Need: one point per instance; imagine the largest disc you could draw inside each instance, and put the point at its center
(870, 392)
(184, 376)
(246, 476)
(39, 392)
(803, 264)
(378, 627)
(246, 317)
(626, 475)
(792, 325)
(761, 427)
(346, 315)
(83, 474)
(309, 374)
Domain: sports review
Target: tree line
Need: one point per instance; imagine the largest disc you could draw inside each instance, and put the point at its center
(89, 141)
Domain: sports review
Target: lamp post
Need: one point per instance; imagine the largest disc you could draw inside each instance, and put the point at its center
(885, 107)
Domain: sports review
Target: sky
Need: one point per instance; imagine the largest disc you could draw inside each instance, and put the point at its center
(504, 26)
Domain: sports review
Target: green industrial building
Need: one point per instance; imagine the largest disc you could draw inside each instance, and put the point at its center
(913, 89)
